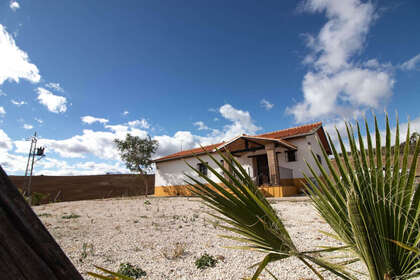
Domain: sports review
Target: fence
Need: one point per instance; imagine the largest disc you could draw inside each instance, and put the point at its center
(70, 188)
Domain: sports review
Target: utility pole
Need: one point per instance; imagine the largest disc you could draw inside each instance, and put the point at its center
(33, 151)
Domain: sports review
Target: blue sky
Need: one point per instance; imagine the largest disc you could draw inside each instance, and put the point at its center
(82, 73)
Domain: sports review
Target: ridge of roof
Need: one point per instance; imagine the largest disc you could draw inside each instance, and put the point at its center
(283, 142)
(278, 134)
(181, 154)
(312, 126)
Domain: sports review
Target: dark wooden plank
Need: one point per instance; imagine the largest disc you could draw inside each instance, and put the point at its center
(30, 231)
(8, 272)
(20, 255)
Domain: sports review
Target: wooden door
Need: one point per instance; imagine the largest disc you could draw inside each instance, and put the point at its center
(263, 173)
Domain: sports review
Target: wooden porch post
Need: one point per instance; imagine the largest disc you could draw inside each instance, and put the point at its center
(255, 170)
(228, 168)
(273, 164)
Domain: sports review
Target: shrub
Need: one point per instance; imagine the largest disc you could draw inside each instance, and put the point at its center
(175, 252)
(129, 270)
(37, 198)
(205, 261)
(86, 249)
(44, 215)
(70, 216)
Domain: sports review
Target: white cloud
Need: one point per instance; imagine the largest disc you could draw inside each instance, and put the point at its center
(342, 94)
(9, 162)
(240, 123)
(55, 86)
(15, 63)
(336, 86)
(14, 5)
(201, 126)
(28, 126)
(125, 113)
(18, 103)
(89, 143)
(140, 123)
(100, 144)
(330, 127)
(2, 111)
(91, 120)
(39, 120)
(411, 64)
(5, 141)
(54, 103)
(266, 104)
(12, 163)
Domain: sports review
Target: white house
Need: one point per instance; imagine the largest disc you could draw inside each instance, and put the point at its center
(275, 160)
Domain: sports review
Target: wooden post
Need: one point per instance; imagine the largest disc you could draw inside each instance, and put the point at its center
(227, 166)
(27, 250)
(273, 164)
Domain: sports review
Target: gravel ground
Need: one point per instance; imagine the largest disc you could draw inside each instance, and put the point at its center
(164, 236)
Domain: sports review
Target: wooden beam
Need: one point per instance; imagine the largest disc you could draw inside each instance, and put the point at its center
(247, 150)
(27, 249)
(256, 143)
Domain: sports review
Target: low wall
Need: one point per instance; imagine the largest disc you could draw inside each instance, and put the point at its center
(70, 188)
(269, 191)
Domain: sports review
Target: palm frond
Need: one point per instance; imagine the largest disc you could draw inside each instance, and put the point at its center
(382, 201)
(250, 217)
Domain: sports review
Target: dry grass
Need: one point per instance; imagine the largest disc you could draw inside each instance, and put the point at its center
(175, 252)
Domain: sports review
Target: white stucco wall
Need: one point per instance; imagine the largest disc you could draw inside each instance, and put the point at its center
(171, 173)
(305, 145)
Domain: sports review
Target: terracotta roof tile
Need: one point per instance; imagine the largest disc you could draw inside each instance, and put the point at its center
(190, 152)
(292, 132)
(280, 134)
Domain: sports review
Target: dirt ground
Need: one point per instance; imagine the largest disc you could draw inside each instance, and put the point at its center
(164, 236)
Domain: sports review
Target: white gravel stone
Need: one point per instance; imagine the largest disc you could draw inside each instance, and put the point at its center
(130, 230)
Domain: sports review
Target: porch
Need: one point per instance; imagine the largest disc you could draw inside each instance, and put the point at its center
(263, 153)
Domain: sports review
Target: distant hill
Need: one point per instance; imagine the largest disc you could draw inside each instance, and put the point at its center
(413, 141)
(412, 147)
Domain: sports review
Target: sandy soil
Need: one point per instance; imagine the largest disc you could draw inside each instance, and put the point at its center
(166, 236)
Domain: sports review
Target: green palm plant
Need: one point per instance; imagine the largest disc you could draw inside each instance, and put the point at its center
(246, 213)
(373, 208)
(372, 202)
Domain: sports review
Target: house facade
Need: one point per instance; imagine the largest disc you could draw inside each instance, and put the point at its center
(275, 160)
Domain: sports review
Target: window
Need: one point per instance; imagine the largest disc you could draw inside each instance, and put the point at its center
(202, 168)
(319, 158)
(291, 155)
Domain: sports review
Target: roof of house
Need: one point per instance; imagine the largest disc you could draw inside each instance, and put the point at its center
(279, 135)
(258, 140)
(293, 131)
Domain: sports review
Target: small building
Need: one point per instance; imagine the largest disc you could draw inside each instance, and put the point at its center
(275, 160)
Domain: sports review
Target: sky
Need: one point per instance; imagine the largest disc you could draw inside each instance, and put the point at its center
(82, 73)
